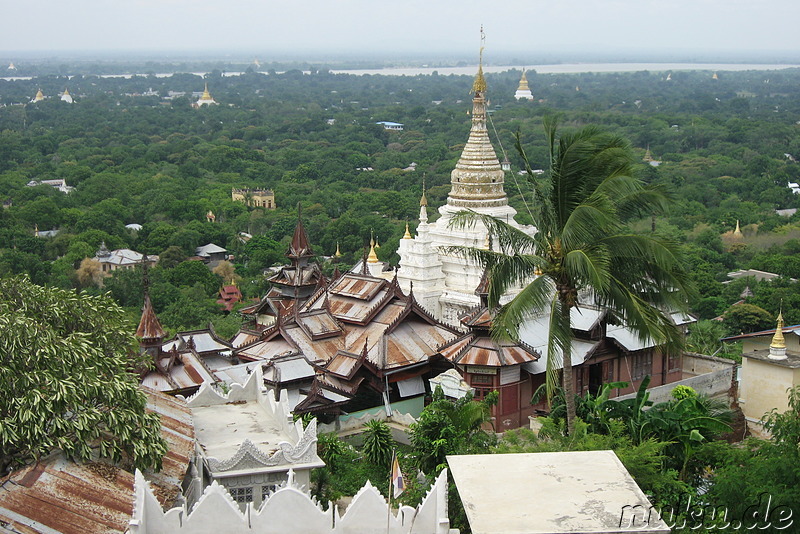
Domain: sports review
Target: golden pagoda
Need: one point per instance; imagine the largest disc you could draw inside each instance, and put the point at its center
(407, 235)
(39, 96)
(206, 99)
(372, 258)
(777, 349)
(338, 253)
(715, 77)
(523, 91)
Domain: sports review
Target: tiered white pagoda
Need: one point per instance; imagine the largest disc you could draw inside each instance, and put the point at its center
(523, 91)
(444, 282)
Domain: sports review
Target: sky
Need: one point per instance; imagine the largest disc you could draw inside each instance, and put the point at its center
(528, 28)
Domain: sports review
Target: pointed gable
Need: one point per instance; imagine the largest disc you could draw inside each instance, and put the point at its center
(149, 326)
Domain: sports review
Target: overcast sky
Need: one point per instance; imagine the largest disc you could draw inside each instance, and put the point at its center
(397, 27)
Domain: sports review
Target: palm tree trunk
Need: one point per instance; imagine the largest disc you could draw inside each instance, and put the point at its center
(567, 377)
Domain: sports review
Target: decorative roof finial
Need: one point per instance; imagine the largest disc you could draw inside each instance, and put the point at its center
(407, 235)
(479, 85)
(372, 258)
(777, 349)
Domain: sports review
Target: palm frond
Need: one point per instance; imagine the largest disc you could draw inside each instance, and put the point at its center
(534, 299)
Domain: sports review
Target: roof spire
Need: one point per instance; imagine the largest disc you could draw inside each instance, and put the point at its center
(738, 231)
(777, 349)
(407, 235)
(479, 85)
(477, 180)
(372, 258)
(299, 247)
(150, 330)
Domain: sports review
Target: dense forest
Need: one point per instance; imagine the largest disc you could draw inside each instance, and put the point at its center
(136, 151)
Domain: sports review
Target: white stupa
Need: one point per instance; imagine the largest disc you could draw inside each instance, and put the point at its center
(523, 91)
(66, 97)
(445, 283)
(11, 66)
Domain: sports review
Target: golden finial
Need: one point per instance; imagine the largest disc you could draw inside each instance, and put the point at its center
(778, 342)
(407, 235)
(479, 85)
(424, 200)
(36, 230)
(377, 245)
(372, 258)
(206, 94)
(738, 231)
(337, 254)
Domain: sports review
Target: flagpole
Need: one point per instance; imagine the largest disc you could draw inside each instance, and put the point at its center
(391, 487)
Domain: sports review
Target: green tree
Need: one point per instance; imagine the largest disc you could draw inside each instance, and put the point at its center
(449, 427)
(378, 443)
(745, 318)
(66, 379)
(582, 246)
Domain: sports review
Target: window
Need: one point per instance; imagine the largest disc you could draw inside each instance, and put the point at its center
(266, 490)
(642, 365)
(674, 361)
(480, 393)
(242, 494)
(482, 379)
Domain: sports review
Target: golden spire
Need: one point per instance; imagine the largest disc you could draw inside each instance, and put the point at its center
(372, 258)
(36, 230)
(424, 200)
(407, 235)
(738, 231)
(523, 83)
(376, 243)
(479, 85)
(337, 254)
(778, 342)
(66, 92)
(206, 94)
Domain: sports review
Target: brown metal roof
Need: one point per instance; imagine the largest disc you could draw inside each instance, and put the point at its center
(67, 497)
(362, 287)
(177, 429)
(299, 247)
(149, 325)
(480, 350)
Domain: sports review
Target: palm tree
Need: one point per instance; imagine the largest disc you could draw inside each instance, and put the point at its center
(582, 250)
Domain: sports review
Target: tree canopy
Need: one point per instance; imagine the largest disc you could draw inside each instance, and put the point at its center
(66, 380)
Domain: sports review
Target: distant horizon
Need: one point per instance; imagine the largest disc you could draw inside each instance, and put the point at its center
(444, 57)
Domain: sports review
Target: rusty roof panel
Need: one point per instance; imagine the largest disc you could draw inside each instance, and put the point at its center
(480, 356)
(342, 364)
(177, 429)
(357, 286)
(71, 498)
(319, 322)
(266, 350)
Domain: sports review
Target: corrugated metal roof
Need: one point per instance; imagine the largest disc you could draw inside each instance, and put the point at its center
(177, 429)
(342, 364)
(59, 495)
(361, 287)
(484, 351)
(581, 350)
(67, 497)
(629, 339)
